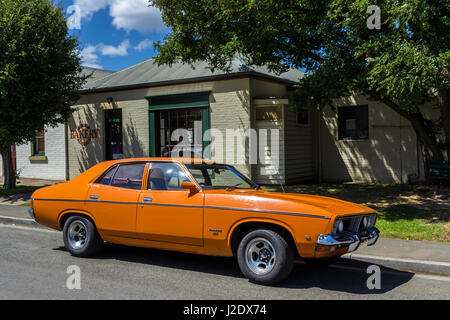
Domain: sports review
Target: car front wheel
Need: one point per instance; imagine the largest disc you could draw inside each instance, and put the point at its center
(265, 256)
(80, 236)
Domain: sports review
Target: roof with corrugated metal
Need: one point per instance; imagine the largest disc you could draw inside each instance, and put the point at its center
(95, 74)
(149, 73)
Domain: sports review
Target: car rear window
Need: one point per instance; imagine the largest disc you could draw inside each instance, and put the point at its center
(127, 176)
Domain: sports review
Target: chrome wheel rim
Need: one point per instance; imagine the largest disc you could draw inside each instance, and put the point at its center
(260, 256)
(77, 234)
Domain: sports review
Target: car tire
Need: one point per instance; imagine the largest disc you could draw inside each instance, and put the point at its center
(81, 237)
(265, 256)
(323, 262)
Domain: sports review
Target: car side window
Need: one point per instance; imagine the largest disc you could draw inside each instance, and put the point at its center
(127, 176)
(166, 176)
(106, 180)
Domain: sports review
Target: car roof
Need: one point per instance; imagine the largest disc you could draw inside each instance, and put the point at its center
(182, 160)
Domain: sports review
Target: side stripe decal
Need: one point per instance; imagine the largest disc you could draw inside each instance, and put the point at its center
(194, 206)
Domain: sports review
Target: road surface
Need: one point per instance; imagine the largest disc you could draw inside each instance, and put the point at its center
(33, 265)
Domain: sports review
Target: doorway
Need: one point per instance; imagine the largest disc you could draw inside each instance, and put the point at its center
(269, 119)
(113, 134)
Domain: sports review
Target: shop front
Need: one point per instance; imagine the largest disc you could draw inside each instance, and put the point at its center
(158, 111)
(168, 113)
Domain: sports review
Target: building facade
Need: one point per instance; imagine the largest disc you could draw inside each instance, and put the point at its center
(137, 119)
(134, 112)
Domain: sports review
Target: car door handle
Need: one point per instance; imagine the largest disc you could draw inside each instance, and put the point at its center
(148, 199)
(94, 197)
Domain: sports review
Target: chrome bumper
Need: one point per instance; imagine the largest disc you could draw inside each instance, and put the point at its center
(349, 239)
(31, 213)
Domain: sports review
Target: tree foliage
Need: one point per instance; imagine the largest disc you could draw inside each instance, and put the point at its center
(39, 72)
(404, 64)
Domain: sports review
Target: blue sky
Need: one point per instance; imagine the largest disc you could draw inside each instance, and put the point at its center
(114, 34)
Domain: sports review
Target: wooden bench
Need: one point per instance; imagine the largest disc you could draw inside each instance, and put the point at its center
(438, 171)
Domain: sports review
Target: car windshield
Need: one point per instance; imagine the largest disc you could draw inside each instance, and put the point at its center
(215, 176)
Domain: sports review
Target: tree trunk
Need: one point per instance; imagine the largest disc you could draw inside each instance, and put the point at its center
(445, 114)
(8, 171)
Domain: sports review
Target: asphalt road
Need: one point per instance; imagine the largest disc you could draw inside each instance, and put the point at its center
(33, 265)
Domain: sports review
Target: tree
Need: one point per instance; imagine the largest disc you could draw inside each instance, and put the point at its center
(404, 64)
(39, 73)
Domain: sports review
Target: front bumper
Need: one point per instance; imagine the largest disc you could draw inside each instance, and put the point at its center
(349, 240)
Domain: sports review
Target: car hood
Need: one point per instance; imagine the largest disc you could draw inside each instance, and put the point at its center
(288, 202)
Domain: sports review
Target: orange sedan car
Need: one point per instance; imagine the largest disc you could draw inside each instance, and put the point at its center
(201, 207)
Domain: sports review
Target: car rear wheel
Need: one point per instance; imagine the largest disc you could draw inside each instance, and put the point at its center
(265, 256)
(80, 236)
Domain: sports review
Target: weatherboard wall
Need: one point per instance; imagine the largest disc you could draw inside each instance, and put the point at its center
(390, 155)
(52, 166)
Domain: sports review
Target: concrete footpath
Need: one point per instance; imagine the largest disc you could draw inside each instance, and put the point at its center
(404, 255)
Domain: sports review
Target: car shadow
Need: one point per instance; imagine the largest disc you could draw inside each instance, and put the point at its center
(345, 275)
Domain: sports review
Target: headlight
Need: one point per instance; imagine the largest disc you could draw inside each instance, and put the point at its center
(340, 226)
(365, 222)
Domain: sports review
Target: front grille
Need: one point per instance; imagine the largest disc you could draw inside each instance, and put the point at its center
(352, 223)
(355, 223)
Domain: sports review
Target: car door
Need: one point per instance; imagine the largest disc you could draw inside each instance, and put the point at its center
(113, 199)
(166, 212)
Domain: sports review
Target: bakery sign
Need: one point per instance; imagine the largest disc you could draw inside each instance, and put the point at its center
(84, 134)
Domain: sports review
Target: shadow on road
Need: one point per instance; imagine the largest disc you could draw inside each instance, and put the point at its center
(344, 276)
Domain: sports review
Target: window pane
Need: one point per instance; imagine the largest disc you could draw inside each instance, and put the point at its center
(39, 143)
(219, 177)
(268, 113)
(166, 176)
(353, 123)
(198, 175)
(106, 180)
(129, 176)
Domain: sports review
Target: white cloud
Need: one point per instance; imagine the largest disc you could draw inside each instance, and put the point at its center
(89, 58)
(135, 15)
(144, 44)
(127, 14)
(89, 7)
(121, 50)
(90, 54)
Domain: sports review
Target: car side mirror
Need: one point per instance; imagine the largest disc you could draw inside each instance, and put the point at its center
(187, 185)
